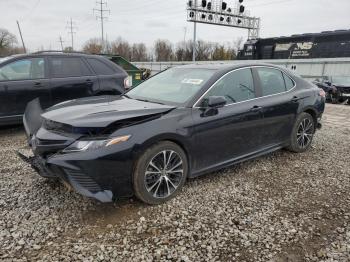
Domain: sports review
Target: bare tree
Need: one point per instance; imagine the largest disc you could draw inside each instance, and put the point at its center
(139, 52)
(237, 44)
(93, 46)
(7, 40)
(163, 50)
(121, 47)
(204, 50)
(220, 52)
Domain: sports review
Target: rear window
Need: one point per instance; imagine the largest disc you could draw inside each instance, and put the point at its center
(68, 67)
(100, 67)
(289, 82)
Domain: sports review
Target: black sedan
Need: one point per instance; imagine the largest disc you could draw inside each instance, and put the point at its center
(179, 124)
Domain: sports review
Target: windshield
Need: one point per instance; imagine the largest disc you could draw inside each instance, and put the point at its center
(341, 80)
(174, 86)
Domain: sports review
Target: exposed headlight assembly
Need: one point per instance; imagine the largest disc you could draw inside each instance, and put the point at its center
(85, 145)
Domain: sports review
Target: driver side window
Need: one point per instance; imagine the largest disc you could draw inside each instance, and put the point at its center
(237, 86)
(26, 69)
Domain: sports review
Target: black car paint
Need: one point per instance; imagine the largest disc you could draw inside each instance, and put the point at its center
(211, 138)
(15, 94)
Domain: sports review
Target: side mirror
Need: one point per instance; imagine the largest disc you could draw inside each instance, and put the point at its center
(216, 101)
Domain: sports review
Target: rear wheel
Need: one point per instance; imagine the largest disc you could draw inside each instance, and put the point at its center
(160, 173)
(302, 134)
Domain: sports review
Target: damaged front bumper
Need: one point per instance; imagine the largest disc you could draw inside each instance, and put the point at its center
(81, 183)
(77, 180)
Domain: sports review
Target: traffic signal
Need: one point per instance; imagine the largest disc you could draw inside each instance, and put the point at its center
(241, 9)
(224, 5)
(209, 6)
(204, 3)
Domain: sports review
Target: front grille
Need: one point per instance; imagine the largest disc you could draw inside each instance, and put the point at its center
(83, 180)
(45, 142)
(57, 127)
(61, 128)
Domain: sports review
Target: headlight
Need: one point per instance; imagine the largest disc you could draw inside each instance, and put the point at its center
(84, 145)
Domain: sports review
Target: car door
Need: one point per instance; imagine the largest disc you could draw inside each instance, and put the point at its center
(71, 78)
(279, 102)
(22, 81)
(230, 132)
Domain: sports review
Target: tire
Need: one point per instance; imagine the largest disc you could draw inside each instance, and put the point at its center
(302, 133)
(335, 98)
(153, 185)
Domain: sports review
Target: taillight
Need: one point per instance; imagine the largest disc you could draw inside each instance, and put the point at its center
(127, 82)
(322, 93)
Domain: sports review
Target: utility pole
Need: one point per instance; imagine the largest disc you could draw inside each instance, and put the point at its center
(61, 42)
(100, 16)
(71, 27)
(195, 33)
(20, 33)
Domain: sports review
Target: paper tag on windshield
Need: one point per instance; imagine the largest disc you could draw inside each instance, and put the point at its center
(192, 81)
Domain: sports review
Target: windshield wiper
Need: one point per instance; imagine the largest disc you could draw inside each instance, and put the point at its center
(148, 101)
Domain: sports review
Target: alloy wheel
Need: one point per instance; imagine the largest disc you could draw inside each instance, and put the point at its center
(305, 133)
(164, 174)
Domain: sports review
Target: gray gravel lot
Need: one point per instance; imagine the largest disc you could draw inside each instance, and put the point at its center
(282, 207)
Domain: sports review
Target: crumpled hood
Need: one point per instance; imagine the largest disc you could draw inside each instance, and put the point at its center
(342, 86)
(101, 111)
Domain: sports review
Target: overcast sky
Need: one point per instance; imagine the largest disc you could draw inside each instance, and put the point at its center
(43, 21)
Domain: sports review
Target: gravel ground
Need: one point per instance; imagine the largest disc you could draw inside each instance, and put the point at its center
(282, 207)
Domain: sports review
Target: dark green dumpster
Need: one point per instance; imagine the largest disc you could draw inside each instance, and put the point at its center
(135, 74)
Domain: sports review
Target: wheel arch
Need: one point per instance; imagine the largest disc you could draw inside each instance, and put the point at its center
(174, 138)
(311, 111)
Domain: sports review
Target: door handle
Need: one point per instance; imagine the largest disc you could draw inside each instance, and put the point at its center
(256, 109)
(89, 82)
(38, 84)
(295, 99)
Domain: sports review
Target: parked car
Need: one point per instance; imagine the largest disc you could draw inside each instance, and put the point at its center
(179, 124)
(54, 77)
(337, 88)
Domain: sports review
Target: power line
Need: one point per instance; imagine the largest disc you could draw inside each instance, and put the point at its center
(71, 27)
(100, 16)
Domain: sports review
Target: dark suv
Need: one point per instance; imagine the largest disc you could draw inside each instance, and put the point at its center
(54, 77)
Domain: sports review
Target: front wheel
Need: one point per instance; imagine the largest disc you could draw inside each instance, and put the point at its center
(302, 134)
(160, 173)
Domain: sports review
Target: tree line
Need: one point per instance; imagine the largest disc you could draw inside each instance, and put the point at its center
(8, 43)
(162, 50)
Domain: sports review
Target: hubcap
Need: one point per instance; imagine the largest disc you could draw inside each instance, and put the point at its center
(164, 174)
(305, 133)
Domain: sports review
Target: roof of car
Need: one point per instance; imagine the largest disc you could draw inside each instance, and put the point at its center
(46, 53)
(224, 66)
(50, 53)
